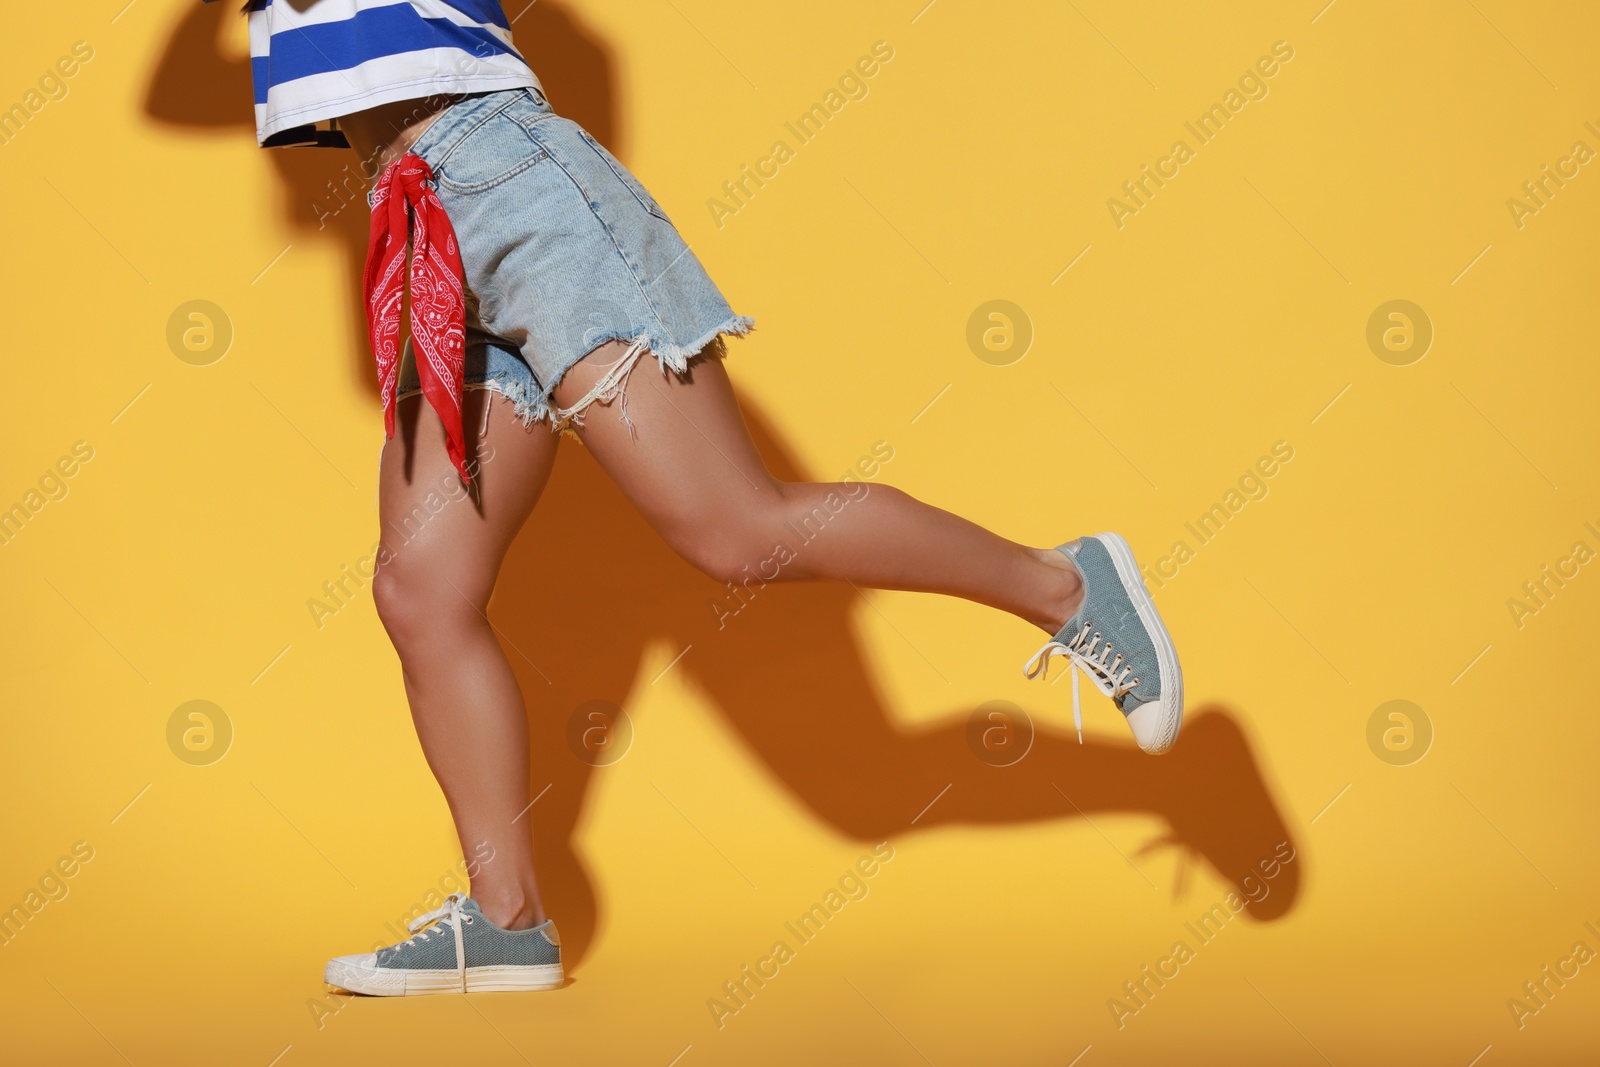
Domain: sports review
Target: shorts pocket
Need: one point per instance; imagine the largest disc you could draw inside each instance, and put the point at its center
(640, 193)
(495, 151)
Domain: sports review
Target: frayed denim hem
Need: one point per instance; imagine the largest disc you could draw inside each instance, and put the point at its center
(526, 399)
(531, 403)
(670, 355)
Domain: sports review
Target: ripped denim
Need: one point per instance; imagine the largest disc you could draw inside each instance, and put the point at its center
(563, 251)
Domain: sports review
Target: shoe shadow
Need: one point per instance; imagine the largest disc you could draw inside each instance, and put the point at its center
(588, 589)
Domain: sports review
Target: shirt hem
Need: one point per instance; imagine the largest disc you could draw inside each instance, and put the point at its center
(288, 118)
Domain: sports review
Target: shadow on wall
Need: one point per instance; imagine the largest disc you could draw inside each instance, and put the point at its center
(196, 85)
(588, 588)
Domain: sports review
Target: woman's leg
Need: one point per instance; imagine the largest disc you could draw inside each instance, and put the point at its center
(690, 467)
(442, 549)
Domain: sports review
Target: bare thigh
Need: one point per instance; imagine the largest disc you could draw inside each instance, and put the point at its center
(436, 530)
(688, 463)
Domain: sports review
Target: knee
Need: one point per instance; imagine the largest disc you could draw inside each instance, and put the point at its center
(730, 556)
(397, 610)
(733, 543)
(413, 600)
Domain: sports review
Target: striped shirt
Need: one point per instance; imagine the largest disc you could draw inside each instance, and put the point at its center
(326, 58)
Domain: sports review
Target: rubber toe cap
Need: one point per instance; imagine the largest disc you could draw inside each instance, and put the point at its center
(1155, 724)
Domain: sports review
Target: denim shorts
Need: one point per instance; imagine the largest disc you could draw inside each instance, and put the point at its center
(563, 250)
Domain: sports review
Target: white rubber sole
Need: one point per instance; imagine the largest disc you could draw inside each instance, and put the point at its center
(398, 982)
(1155, 733)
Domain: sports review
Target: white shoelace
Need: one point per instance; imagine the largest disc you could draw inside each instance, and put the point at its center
(1086, 651)
(449, 914)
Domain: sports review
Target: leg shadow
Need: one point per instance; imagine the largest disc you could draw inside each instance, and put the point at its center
(588, 587)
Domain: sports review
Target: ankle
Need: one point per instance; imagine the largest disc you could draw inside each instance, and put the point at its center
(1061, 591)
(511, 908)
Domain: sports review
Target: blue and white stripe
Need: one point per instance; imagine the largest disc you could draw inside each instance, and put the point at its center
(340, 56)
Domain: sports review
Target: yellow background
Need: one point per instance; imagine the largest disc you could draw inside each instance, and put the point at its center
(1223, 317)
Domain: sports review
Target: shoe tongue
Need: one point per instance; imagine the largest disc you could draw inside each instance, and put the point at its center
(470, 905)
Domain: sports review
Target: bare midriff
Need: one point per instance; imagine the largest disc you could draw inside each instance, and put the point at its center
(382, 134)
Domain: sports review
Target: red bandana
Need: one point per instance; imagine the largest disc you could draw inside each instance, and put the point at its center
(438, 308)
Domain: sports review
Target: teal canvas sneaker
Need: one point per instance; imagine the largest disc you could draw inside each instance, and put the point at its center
(1118, 641)
(455, 950)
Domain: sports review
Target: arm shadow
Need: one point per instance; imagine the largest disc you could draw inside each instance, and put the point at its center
(198, 88)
